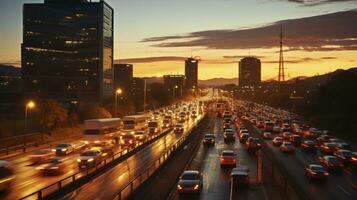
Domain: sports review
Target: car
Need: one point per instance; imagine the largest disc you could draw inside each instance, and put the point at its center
(343, 145)
(253, 144)
(277, 141)
(295, 139)
(267, 136)
(63, 149)
(314, 171)
(308, 145)
(287, 147)
(54, 166)
(141, 136)
(323, 139)
(239, 176)
(353, 160)
(6, 175)
(106, 147)
(178, 128)
(343, 155)
(330, 162)
(89, 158)
(229, 135)
(328, 148)
(190, 182)
(41, 156)
(286, 135)
(243, 137)
(228, 158)
(128, 140)
(226, 126)
(208, 139)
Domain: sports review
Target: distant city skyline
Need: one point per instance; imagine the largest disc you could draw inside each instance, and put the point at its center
(156, 36)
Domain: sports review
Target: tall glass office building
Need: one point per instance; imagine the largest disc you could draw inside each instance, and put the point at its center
(67, 50)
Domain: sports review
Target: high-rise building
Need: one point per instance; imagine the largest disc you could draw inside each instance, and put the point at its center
(171, 81)
(67, 50)
(123, 78)
(175, 84)
(191, 73)
(249, 72)
(138, 92)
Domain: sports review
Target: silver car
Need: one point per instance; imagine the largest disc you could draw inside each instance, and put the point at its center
(190, 182)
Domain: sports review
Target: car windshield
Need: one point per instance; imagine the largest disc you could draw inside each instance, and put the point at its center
(209, 136)
(346, 153)
(333, 160)
(62, 145)
(178, 125)
(152, 124)
(128, 122)
(89, 153)
(128, 136)
(189, 177)
(227, 154)
(317, 168)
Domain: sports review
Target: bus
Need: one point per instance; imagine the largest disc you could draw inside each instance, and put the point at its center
(97, 130)
(134, 123)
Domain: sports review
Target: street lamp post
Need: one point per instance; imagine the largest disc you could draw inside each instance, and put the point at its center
(173, 91)
(29, 105)
(117, 93)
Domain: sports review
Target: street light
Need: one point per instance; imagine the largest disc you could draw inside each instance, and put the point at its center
(173, 91)
(117, 92)
(29, 105)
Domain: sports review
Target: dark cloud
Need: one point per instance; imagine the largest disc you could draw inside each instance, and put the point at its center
(240, 57)
(151, 59)
(300, 60)
(317, 2)
(335, 31)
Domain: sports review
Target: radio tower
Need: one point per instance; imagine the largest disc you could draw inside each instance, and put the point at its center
(281, 76)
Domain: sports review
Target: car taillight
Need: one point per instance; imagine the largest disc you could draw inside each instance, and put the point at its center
(326, 174)
(313, 173)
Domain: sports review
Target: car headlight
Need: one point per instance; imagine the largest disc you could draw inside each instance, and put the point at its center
(54, 150)
(90, 159)
(196, 187)
(179, 187)
(54, 168)
(63, 149)
(79, 160)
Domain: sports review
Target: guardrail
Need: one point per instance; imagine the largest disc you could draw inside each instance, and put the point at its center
(274, 172)
(135, 182)
(76, 177)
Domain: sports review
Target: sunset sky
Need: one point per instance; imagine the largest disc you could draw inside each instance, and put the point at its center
(157, 35)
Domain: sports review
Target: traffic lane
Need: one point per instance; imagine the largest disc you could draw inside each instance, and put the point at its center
(106, 187)
(216, 179)
(335, 187)
(29, 179)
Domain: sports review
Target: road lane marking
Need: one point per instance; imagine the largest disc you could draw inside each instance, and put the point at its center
(343, 189)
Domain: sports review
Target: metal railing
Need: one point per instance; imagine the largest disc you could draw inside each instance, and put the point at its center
(136, 181)
(72, 179)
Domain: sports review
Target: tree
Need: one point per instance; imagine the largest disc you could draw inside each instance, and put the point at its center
(97, 112)
(54, 114)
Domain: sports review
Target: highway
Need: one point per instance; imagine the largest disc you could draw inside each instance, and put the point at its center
(338, 186)
(107, 185)
(215, 179)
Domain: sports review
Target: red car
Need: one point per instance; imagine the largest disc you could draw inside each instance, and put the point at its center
(287, 147)
(228, 157)
(328, 148)
(330, 162)
(316, 172)
(277, 141)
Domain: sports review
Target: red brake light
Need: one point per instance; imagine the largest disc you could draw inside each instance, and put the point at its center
(326, 174)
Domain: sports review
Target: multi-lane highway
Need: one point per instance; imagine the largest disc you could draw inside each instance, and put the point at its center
(109, 184)
(339, 185)
(216, 179)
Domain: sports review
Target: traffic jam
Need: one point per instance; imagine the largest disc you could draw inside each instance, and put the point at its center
(102, 138)
(286, 132)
